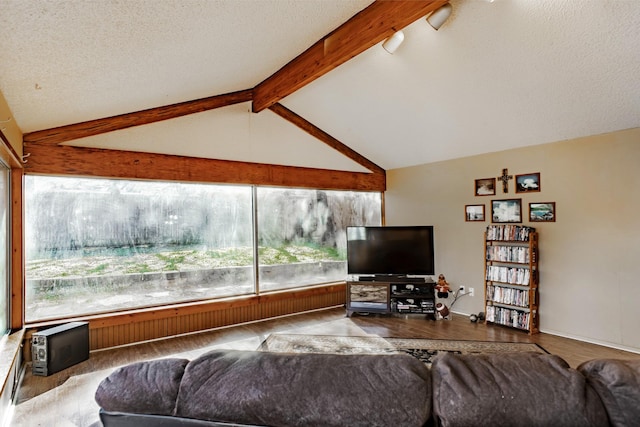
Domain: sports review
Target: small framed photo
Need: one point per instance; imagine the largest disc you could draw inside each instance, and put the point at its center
(474, 213)
(542, 212)
(508, 210)
(485, 187)
(528, 183)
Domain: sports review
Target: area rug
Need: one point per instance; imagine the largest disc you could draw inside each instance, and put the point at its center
(421, 348)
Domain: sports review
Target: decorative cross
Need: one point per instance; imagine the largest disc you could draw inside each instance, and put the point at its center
(505, 180)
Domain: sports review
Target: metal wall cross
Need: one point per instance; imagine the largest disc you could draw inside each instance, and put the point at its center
(505, 180)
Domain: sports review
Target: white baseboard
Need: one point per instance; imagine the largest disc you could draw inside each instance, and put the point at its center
(591, 341)
(579, 338)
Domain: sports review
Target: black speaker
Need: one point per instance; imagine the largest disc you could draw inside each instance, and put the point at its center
(57, 348)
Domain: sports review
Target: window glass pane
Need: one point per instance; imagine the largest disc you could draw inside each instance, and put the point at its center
(4, 252)
(302, 234)
(96, 245)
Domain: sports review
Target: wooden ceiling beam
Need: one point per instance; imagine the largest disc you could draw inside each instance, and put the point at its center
(318, 133)
(79, 161)
(10, 136)
(367, 28)
(55, 136)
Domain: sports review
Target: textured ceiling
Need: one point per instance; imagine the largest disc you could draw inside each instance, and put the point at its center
(497, 75)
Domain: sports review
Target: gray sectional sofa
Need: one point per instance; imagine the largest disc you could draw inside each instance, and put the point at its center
(240, 388)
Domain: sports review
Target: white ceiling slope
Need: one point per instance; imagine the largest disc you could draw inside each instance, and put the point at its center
(497, 75)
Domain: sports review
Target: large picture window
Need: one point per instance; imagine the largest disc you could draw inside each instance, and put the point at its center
(102, 245)
(302, 234)
(96, 245)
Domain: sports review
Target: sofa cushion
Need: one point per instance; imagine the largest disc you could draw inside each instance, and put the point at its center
(284, 389)
(515, 389)
(149, 387)
(617, 382)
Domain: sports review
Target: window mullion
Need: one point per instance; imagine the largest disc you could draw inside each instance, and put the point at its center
(254, 221)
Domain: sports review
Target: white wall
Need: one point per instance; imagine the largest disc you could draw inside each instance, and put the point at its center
(589, 258)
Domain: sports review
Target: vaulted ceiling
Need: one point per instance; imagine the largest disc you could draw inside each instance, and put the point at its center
(497, 75)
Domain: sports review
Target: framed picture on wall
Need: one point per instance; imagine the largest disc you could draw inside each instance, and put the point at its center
(507, 210)
(542, 212)
(474, 213)
(485, 187)
(528, 183)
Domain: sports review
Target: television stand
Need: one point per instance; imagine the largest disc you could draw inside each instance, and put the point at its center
(391, 294)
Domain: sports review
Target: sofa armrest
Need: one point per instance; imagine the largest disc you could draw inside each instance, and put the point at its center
(617, 382)
(149, 387)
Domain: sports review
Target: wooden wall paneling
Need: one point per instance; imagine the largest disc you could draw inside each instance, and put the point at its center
(123, 334)
(116, 330)
(160, 328)
(145, 330)
(135, 334)
(226, 317)
(207, 320)
(211, 318)
(172, 327)
(113, 338)
(191, 322)
(182, 323)
(194, 322)
(105, 339)
(248, 314)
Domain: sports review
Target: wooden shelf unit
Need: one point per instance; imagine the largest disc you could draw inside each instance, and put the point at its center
(511, 277)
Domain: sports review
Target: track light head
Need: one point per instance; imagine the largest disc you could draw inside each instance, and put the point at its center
(393, 43)
(439, 16)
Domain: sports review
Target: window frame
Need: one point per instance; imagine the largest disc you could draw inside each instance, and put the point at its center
(257, 288)
(5, 282)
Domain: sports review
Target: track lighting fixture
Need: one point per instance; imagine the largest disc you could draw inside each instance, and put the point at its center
(439, 16)
(393, 42)
(435, 19)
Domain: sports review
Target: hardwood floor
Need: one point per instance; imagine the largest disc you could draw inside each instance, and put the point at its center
(67, 398)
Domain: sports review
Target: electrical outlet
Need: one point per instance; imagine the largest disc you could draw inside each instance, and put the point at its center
(471, 293)
(461, 289)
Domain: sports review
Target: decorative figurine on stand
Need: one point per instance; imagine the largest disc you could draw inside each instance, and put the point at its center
(442, 287)
(442, 291)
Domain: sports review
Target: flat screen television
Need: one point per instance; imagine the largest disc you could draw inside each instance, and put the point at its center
(396, 251)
